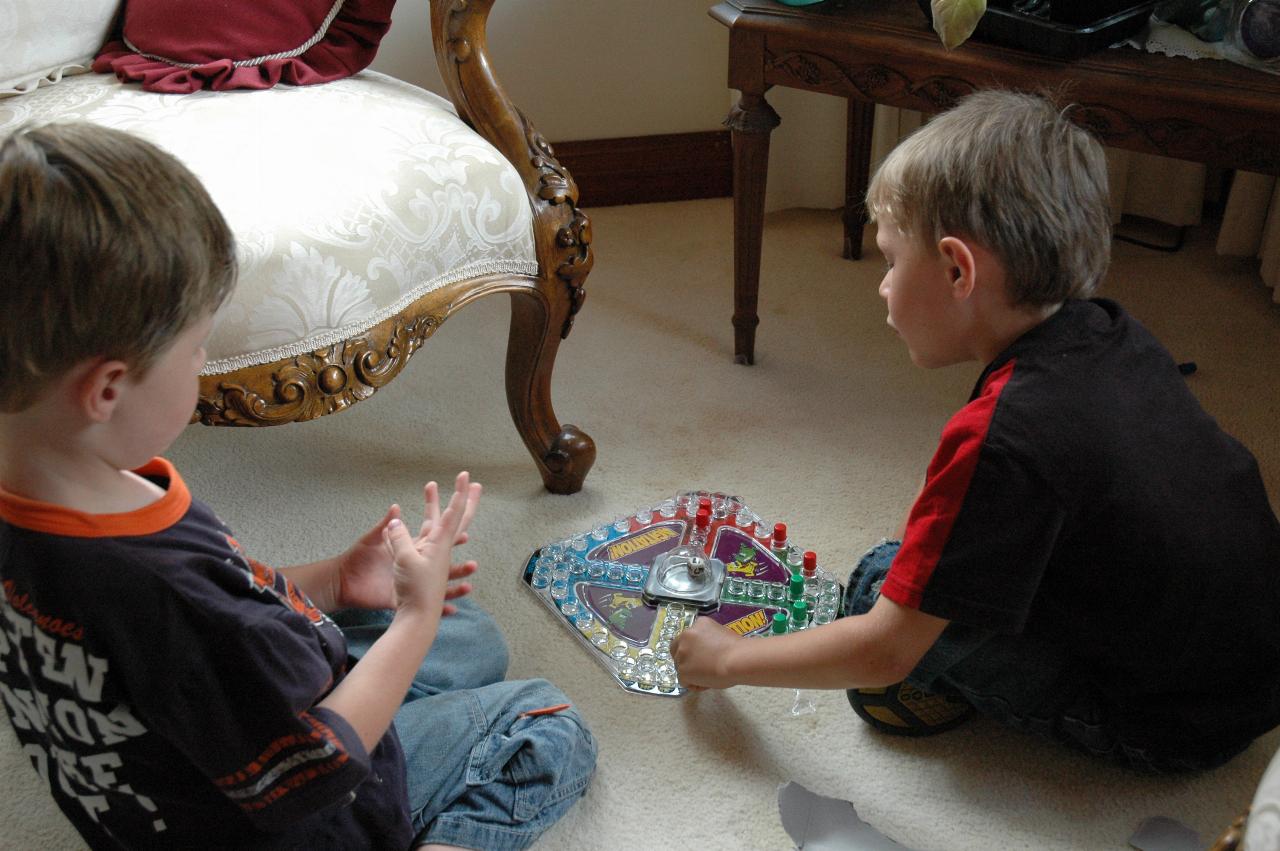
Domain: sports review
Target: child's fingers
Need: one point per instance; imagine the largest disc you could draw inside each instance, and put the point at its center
(398, 540)
(446, 529)
(467, 568)
(375, 534)
(431, 505)
(462, 589)
(473, 500)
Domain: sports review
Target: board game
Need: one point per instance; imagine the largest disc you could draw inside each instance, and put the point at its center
(627, 588)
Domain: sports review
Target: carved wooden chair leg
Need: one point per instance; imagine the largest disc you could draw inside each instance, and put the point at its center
(564, 454)
(1232, 837)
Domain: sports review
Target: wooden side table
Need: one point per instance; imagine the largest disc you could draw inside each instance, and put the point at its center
(882, 51)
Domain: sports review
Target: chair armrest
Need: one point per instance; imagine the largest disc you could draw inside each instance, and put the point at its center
(562, 232)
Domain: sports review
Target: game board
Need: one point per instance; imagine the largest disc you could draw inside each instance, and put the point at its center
(625, 589)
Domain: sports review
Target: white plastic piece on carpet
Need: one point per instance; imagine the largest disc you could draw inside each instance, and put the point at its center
(818, 823)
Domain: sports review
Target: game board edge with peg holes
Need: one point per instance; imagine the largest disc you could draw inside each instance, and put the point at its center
(627, 588)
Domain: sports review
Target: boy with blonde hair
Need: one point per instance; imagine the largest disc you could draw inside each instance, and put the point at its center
(1090, 558)
(170, 690)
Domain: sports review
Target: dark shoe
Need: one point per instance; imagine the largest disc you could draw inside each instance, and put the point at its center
(905, 710)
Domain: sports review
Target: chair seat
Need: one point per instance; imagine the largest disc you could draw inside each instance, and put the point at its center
(349, 200)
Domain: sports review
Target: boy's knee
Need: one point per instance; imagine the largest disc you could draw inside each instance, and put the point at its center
(536, 761)
(864, 583)
(552, 753)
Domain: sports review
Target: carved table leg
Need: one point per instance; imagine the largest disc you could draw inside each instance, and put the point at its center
(563, 453)
(857, 174)
(751, 120)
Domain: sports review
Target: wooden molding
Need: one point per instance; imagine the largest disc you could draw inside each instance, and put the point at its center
(640, 169)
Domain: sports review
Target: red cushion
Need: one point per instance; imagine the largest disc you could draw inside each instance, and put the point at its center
(309, 41)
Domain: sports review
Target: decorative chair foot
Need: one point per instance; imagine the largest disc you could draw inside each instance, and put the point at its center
(567, 462)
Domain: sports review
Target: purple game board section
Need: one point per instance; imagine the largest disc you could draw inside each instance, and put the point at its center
(624, 611)
(745, 557)
(643, 545)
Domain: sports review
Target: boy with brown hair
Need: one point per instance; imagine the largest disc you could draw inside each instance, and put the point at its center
(170, 690)
(1091, 557)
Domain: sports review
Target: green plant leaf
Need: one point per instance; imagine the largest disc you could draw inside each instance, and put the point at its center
(955, 20)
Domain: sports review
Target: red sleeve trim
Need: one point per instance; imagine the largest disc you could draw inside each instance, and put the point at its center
(60, 520)
(288, 763)
(947, 482)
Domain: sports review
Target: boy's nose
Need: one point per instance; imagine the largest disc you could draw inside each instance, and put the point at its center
(884, 287)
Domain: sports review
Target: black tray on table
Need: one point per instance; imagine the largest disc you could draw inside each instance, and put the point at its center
(1065, 29)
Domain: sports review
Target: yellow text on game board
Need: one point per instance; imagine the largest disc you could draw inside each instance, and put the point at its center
(641, 542)
(748, 623)
(747, 568)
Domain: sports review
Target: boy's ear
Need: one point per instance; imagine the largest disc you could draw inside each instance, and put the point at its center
(99, 387)
(962, 264)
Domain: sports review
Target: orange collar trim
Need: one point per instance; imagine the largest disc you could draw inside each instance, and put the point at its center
(58, 520)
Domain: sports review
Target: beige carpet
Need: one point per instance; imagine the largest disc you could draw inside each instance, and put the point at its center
(830, 430)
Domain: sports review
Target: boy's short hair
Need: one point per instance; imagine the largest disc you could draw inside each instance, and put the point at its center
(109, 247)
(1012, 172)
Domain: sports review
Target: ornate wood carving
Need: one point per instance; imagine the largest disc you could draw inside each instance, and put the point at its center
(332, 379)
(752, 114)
(1234, 834)
(543, 315)
(871, 81)
(1179, 137)
(316, 383)
(564, 233)
(573, 238)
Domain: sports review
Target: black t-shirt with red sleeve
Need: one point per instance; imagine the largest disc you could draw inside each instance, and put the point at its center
(1084, 498)
(165, 686)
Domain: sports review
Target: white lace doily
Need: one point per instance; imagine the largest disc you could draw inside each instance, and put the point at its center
(1171, 40)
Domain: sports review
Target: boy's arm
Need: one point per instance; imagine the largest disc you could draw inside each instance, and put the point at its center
(368, 697)
(878, 648)
(315, 579)
(902, 527)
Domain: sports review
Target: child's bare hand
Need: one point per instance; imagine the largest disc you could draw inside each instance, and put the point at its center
(701, 653)
(423, 565)
(431, 514)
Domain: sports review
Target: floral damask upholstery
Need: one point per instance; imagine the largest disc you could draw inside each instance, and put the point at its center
(338, 226)
(366, 210)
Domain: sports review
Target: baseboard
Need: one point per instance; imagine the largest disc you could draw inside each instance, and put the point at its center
(641, 169)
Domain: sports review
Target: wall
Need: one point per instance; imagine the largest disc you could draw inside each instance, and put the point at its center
(601, 69)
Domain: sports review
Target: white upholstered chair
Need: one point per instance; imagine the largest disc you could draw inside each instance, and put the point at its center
(366, 211)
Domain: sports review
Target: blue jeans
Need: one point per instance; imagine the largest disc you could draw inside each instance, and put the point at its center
(1024, 683)
(480, 773)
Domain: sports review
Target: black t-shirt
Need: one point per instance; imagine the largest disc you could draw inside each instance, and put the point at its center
(1085, 498)
(165, 686)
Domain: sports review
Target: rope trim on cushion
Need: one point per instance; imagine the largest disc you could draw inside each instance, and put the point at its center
(246, 63)
(337, 335)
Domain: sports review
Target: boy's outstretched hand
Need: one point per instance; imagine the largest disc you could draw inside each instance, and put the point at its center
(366, 576)
(701, 654)
(423, 566)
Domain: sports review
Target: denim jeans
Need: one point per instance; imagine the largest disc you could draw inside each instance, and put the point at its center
(481, 773)
(1024, 683)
